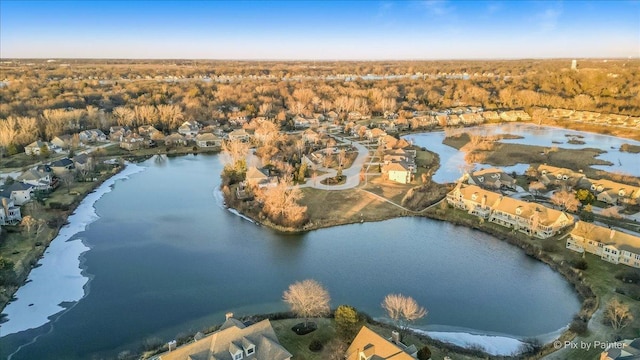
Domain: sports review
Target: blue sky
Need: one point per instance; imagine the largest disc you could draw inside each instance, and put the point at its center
(320, 30)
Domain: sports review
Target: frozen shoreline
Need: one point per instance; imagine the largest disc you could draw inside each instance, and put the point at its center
(59, 278)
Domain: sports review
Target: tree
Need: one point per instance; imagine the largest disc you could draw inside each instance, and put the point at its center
(403, 310)
(617, 314)
(537, 187)
(302, 172)
(565, 200)
(347, 322)
(281, 204)
(585, 196)
(611, 212)
(307, 298)
(28, 222)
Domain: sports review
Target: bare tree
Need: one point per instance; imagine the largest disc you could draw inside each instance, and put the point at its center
(566, 200)
(611, 212)
(28, 222)
(537, 187)
(403, 310)
(618, 314)
(234, 151)
(307, 298)
(281, 203)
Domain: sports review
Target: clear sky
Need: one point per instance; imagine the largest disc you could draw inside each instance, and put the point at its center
(319, 30)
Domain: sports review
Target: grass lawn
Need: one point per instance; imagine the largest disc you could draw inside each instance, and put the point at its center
(345, 206)
(298, 345)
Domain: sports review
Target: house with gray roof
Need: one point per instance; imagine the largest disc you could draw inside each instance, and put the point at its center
(19, 192)
(9, 212)
(234, 341)
(61, 166)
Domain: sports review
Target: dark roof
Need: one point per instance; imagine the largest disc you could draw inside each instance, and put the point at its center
(61, 163)
(15, 186)
(81, 159)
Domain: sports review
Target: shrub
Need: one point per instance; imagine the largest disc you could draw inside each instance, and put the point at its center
(424, 353)
(315, 345)
(579, 326)
(629, 276)
(580, 264)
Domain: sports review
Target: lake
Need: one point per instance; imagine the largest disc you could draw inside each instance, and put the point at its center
(452, 160)
(163, 257)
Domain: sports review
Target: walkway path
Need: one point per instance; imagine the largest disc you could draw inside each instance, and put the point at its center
(352, 173)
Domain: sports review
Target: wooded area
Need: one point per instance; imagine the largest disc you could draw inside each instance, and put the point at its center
(40, 99)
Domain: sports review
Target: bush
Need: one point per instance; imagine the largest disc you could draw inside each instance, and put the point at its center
(629, 276)
(579, 326)
(315, 345)
(424, 353)
(580, 264)
(54, 205)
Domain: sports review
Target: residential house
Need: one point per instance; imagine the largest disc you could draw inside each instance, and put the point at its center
(473, 199)
(471, 119)
(19, 192)
(62, 141)
(368, 345)
(628, 349)
(530, 218)
(62, 166)
(36, 147)
(149, 132)
(354, 115)
(515, 115)
(208, 140)
(453, 120)
(189, 129)
(132, 142)
(374, 134)
(560, 113)
(332, 116)
(612, 192)
(491, 116)
(175, 139)
(117, 133)
(239, 134)
(41, 178)
(233, 341)
(611, 245)
(83, 162)
(9, 212)
(398, 172)
(492, 178)
(551, 175)
(90, 136)
(260, 178)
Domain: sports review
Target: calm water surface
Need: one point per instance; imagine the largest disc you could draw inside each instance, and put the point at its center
(166, 259)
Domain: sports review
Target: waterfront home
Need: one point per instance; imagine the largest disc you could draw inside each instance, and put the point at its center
(530, 218)
(207, 140)
(612, 192)
(260, 178)
(36, 147)
(82, 162)
(471, 118)
(9, 212)
(40, 177)
(398, 172)
(611, 245)
(374, 134)
(551, 175)
(368, 345)
(473, 199)
(234, 341)
(62, 141)
(492, 178)
(560, 113)
(310, 137)
(175, 139)
(491, 115)
(299, 122)
(628, 349)
(132, 142)
(62, 166)
(19, 192)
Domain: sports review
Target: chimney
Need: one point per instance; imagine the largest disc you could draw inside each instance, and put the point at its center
(484, 201)
(228, 315)
(395, 337)
(612, 234)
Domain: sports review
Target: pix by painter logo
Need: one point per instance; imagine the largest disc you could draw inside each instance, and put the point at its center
(587, 345)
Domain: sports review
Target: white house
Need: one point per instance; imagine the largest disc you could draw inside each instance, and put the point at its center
(19, 192)
(9, 212)
(611, 245)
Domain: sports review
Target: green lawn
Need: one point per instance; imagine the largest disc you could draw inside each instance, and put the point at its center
(298, 345)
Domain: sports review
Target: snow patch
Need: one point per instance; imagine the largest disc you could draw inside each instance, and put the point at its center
(59, 278)
(491, 344)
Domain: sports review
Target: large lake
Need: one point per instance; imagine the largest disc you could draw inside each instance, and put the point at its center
(166, 258)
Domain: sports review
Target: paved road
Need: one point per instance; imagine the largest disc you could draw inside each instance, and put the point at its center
(352, 173)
